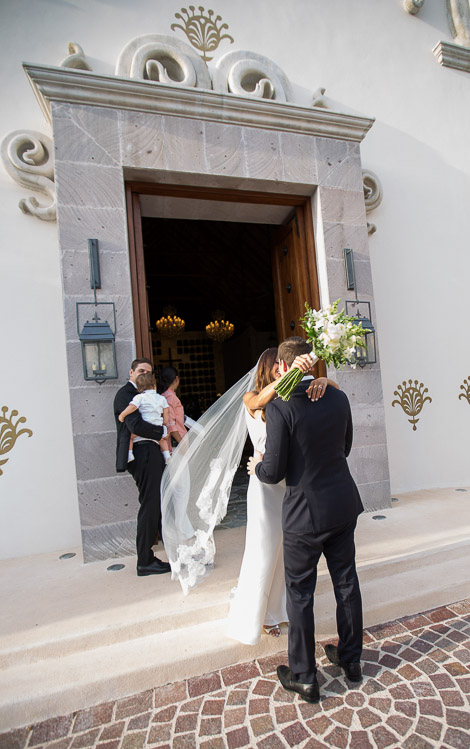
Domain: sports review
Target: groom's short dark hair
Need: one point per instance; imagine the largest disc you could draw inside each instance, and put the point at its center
(292, 347)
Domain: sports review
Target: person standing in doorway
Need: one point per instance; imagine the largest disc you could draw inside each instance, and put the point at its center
(146, 469)
(168, 383)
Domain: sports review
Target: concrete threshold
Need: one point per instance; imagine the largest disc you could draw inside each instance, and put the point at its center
(76, 635)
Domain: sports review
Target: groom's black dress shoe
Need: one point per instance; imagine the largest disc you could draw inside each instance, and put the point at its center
(352, 671)
(308, 692)
(156, 568)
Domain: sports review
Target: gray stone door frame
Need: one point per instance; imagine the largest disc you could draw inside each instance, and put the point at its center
(109, 130)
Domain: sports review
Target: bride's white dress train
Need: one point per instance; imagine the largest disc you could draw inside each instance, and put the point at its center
(260, 595)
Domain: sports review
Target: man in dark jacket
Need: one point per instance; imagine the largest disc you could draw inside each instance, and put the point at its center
(146, 469)
(307, 444)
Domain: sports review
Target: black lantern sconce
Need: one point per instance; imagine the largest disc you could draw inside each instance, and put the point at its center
(360, 311)
(97, 336)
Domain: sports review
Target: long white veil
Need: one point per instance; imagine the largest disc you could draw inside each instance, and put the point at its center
(196, 484)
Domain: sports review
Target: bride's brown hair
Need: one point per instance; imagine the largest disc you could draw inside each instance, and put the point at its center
(263, 372)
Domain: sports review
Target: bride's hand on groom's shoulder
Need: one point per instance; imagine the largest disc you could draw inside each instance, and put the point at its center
(317, 388)
(251, 465)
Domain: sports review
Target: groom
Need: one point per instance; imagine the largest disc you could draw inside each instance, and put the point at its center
(307, 444)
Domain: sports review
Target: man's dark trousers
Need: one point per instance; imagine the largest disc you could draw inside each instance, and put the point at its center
(302, 552)
(146, 470)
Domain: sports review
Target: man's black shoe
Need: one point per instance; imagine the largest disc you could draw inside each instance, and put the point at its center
(352, 670)
(156, 568)
(308, 692)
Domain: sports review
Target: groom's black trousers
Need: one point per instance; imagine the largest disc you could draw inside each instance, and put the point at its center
(302, 552)
(146, 470)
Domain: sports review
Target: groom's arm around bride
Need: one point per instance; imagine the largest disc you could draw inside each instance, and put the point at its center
(307, 444)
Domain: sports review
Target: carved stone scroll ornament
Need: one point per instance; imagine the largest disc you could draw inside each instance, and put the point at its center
(76, 58)
(9, 432)
(27, 156)
(163, 59)
(373, 194)
(249, 74)
(458, 15)
(413, 6)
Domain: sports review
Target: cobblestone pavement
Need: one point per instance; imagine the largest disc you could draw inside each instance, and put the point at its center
(415, 694)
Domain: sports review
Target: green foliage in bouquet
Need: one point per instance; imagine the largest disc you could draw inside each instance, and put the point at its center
(333, 336)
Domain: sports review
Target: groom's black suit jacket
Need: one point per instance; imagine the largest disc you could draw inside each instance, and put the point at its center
(133, 423)
(307, 444)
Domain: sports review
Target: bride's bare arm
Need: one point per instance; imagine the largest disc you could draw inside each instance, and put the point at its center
(255, 401)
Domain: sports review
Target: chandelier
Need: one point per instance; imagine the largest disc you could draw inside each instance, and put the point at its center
(219, 329)
(170, 325)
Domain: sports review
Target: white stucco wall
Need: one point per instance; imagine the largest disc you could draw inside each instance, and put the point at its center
(375, 60)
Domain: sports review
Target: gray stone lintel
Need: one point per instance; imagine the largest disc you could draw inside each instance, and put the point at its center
(85, 87)
(453, 56)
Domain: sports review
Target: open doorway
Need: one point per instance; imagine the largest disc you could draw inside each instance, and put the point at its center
(203, 269)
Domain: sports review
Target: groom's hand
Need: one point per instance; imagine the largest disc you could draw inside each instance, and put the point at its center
(252, 463)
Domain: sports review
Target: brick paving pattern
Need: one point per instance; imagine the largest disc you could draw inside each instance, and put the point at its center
(415, 694)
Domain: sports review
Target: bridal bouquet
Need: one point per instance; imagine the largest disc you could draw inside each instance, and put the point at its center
(334, 337)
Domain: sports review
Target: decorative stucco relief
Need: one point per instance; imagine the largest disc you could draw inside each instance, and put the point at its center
(411, 397)
(203, 31)
(246, 73)
(466, 390)
(76, 58)
(9, 432)
(458, 15)
(27, 156)
(160, 58)
(413, 6)
(373, 194)
(457, 54)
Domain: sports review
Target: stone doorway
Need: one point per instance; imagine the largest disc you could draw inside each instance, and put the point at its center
(109, 132)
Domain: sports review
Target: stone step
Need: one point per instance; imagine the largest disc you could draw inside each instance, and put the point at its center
(76, 635)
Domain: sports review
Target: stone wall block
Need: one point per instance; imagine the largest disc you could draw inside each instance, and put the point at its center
(92, 408)
(89, 185)
(142, 140)
(86, 134)
(376, 495)
(184, 144)
(262, 154)
(369, 426)
(224, 149)
(113, 497)
(329, 154)
(343, 206)
(79, 223)
(369, 463)
(338, 236)
(337, 280)
(114, 267)
(95, 455)
(346, 175)
(298, 154)
(362, 386)
(111, 541)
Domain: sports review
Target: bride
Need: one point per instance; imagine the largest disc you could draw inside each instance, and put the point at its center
(195, 489)
(259, 601)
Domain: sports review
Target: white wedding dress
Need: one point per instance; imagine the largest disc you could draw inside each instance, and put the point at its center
(260, 596)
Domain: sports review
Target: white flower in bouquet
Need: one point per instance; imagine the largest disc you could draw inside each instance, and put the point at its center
(333, 336)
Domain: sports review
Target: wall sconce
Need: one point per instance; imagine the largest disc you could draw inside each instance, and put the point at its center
(96, 336)
(360, 311)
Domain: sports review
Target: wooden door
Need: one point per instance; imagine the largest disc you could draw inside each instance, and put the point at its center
(294, 274)
(143, 336)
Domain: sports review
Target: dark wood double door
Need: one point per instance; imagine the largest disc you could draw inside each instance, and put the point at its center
(292, 257)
